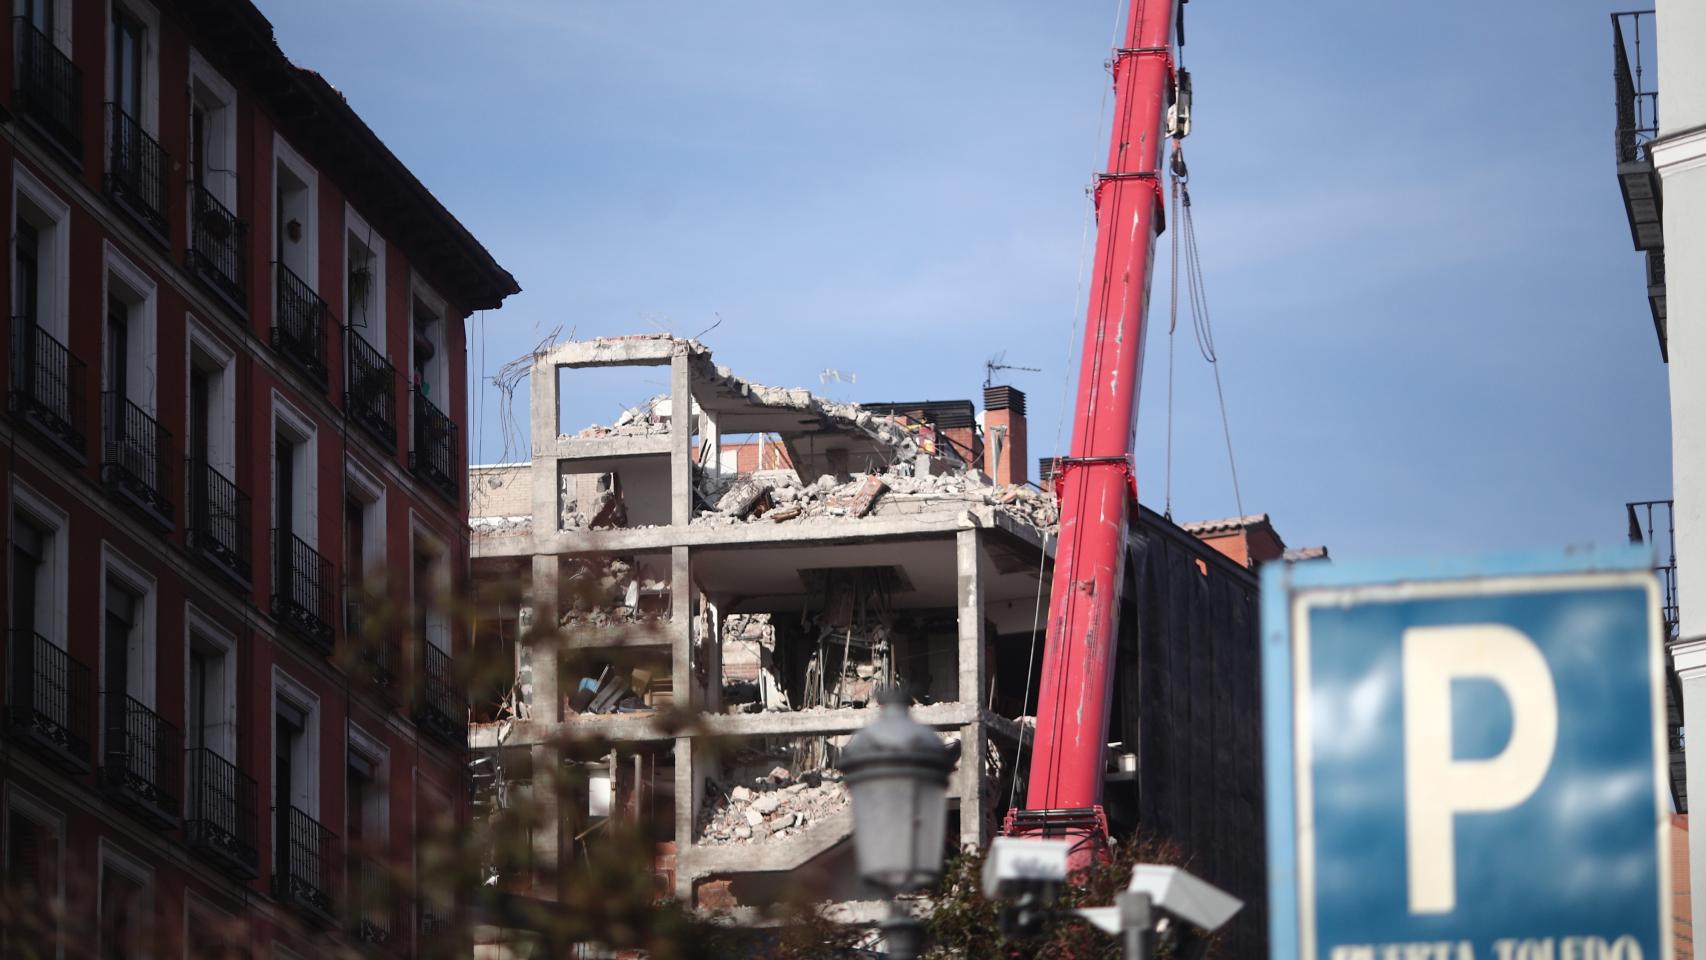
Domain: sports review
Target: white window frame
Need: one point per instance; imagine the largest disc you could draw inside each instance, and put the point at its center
(51, 216)
(220, 99)
(379, 805)
(438, 373)
(366, 486)
(206, 632)
(140, 684)
(112, 857)
(306, 794)
(285, 156)
(142, 341)
(373, 331)
(150, 92)
(45, 815)
(222, 408)
(61, 23)
(56, 550)
(437, 621)
(300, 429)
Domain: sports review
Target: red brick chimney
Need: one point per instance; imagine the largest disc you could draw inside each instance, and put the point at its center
(1005, 438)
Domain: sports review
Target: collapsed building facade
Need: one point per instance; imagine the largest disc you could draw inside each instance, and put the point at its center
(700, 600)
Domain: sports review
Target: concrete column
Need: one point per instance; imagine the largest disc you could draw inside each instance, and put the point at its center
(974, 672)
(542, 641)
(548, 806)
(688, 796)
(974, 749)
(1690, 657)
(542, 405)
(680, 438)
(682, 688)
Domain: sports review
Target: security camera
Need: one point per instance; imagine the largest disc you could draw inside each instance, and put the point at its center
(1186, 910)
(1028, 874)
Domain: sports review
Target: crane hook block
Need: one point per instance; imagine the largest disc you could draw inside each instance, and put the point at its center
(1179, 112)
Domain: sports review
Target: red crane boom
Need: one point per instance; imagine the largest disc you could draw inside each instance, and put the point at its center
(1096, 483)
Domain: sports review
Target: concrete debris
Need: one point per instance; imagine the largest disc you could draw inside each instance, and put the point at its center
(641, 421)
(776, 807)
(742, 498)
(607, 592)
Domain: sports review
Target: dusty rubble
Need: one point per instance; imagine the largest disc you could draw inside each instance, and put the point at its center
(780, 497)
(774, 807)
(606, 592)
(641, 421)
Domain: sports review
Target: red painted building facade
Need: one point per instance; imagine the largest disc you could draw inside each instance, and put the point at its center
(235, 474)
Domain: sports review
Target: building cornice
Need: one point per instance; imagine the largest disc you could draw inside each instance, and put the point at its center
(1689, 658)
(1682, 150)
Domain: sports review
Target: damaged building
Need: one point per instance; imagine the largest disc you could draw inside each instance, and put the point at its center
(698, 602)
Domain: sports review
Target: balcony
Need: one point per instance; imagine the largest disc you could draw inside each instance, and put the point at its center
(48, 90)
(302, 590)
(218, 246)
(218, 524)
(372, 395)
(136, 167)
(1637, 125)
(47, 389)
(136, 459)
(433, 458)
(376, 908)
(375, 653)
(140, 765)
(440, 709)
(49, 700)
(299, 329)
(1652, 522)
(219, 819)
(304, 866)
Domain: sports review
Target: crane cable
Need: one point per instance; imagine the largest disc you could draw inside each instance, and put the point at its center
(1202, 327)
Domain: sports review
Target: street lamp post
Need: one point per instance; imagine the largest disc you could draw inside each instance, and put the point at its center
(897, 775)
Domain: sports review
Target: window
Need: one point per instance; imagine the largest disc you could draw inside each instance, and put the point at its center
(210, 434)
(126, 905)
(428, 365)
(127, 629)
(297, 848)
(42, 255)
(295, 479)
(213, 133)
(126, 66)
(132, 62)
(429, 583)
(129, 353)
(295, 214)
(38, 582)
(364, 280)
(367, 814)
(35, 873)
(210, 701)
(51, 17)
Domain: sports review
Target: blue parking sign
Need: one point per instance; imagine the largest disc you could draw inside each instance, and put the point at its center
(1466, 760)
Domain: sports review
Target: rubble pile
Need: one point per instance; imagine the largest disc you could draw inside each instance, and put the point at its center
(775, 807)
(605, 592)
(640, 421)
(780, 497)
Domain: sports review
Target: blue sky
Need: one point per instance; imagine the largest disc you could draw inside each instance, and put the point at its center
(1431, 324)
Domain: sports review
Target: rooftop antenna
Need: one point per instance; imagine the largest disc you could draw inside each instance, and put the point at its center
(997, 363)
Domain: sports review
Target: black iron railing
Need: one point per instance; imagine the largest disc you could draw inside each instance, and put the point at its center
(136, 170)
(305, 863)
(47, 386)
(136, 457)
(219, 519)
(299, 329)
(431, 920)
(1637, 94)
(372, 396)
(440, 709)
(374, 904)
(434, 455)
(219, 817)
(49, 698)
(140, 763)
(302, 596)
(49, 89)
(375, 653)
(218, 245)
(1651, 522)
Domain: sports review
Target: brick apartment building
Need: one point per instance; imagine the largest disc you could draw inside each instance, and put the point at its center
(235, 393)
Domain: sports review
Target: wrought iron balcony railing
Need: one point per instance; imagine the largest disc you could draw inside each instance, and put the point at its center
(218, 247)
(375, 650)
(302, 597)
(136, 171)
(305, 864)
(136, 458)
(47, 388)
(48, 89)
(140, 762)
(434, 455)
(375, 907)
(440, 709)
(219, 817)
(1637, 94)
(218, 524)
(372, 395)
(49, 699)
(299, 327)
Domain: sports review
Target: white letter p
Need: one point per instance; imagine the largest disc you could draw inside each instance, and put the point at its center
(1436, 787)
